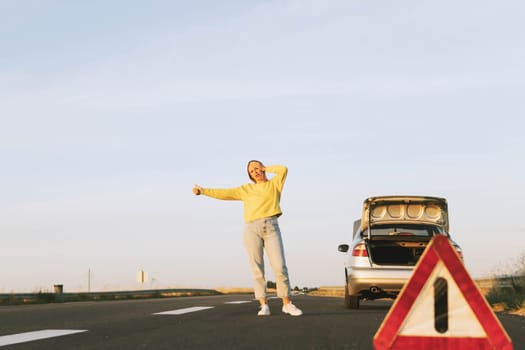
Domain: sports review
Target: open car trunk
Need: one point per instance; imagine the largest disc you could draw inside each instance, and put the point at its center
(398, 252)
(406, 209)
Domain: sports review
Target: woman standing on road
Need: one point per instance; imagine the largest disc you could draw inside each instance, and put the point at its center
(261, 209)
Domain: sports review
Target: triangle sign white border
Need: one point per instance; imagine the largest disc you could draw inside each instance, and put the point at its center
(440, 259)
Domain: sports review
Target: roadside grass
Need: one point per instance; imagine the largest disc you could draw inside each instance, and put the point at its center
(234, 290)
(511, 296)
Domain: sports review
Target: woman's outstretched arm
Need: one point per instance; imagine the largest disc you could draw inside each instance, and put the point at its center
(219, 193)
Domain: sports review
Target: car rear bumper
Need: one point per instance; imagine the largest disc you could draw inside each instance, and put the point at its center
(386, 280)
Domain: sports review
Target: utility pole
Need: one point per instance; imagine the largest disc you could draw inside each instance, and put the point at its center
(89, 280)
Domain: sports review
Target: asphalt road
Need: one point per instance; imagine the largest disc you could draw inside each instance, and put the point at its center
(216, 322)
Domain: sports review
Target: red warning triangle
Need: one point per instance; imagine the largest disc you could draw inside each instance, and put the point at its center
(441, 308)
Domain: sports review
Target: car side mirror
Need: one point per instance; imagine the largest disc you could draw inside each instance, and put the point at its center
(343, 248)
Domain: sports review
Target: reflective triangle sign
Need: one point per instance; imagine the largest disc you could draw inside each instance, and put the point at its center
(441, 308)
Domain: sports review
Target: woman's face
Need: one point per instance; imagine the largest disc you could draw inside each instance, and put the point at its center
(255, 169)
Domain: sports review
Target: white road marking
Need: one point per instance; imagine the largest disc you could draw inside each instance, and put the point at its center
(184, 311)
(36, 335)
(238, 302)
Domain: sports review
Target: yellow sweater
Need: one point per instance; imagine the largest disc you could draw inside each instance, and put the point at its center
(260, 200)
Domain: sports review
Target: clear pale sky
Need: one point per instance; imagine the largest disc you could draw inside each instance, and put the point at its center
(111, 110)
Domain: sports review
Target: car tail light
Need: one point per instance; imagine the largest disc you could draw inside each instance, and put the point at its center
(359, 250)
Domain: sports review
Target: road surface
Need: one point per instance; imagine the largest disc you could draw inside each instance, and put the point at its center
(212, 322)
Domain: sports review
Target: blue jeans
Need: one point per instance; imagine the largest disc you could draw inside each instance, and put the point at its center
(265, 234)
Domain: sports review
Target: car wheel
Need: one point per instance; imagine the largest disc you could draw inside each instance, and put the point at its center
(351, 301)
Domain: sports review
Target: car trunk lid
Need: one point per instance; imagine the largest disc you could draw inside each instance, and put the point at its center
(406, 209)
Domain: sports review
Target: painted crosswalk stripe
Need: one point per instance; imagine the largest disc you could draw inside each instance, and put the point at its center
(36, 335)
(238, 302)
(185, 310)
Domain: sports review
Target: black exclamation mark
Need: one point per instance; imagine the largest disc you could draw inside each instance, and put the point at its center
(441, 305)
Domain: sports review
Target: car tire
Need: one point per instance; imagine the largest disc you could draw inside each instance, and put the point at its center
(351, 301)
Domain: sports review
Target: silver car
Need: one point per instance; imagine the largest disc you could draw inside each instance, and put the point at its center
(388, 241)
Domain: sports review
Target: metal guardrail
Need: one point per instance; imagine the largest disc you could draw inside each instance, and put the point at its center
(59, 296)
(484, 284)
(502, 282)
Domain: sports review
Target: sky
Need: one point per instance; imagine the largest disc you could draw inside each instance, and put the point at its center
(110, 112)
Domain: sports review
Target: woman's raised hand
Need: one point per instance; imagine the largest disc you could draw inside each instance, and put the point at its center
(197, 190)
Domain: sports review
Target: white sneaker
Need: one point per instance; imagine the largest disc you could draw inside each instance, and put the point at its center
(264, 310)
(291, 309)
